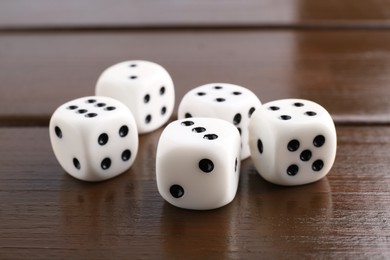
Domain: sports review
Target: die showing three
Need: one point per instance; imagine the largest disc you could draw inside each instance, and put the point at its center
(198, 163)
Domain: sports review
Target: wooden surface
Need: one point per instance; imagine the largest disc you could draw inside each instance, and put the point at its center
(43, 14)
(333, 52)
(46, 213)
(347, 72)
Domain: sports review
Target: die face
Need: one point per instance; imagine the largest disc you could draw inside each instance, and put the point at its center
(197, 163)
(292, 141)
(229, 102)
(113, 146)
(94, 138)
(297, 111)
(145, 87)
(308, 155)
(66, 141)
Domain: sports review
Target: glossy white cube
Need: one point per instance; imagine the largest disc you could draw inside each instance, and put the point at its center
(198, 163)
(145, 87)
(292, 141)
(94, 138)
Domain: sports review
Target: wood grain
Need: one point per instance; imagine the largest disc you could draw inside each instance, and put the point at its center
(43, 14)
(333, 52)
(346, 72)
(45, 213)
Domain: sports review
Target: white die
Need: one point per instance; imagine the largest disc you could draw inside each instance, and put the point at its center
(94, 138)
(198, 163)
(144, 87)
(292, 141)
(229, 102)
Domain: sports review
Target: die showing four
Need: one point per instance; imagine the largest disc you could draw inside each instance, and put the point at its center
(94, 138)
(291, 141)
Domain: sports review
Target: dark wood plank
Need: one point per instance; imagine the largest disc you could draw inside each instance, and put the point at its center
(45, 213)
(193, 13)
(345, 71)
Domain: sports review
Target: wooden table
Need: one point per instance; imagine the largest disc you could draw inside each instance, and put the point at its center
(336, 53)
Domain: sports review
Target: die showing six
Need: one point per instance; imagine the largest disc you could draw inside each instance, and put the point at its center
(95, 138)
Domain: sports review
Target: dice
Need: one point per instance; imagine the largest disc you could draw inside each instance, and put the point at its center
(198, 163)
(145, 87)
(229, 102)
(292, 141)
(94, 138)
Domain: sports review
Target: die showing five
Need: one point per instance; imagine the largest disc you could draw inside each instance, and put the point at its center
(291, 141)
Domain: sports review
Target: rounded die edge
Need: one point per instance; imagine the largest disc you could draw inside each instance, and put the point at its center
(163, 155)
(60, 118)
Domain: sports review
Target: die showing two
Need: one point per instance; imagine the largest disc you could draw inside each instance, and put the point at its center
(95, 138)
